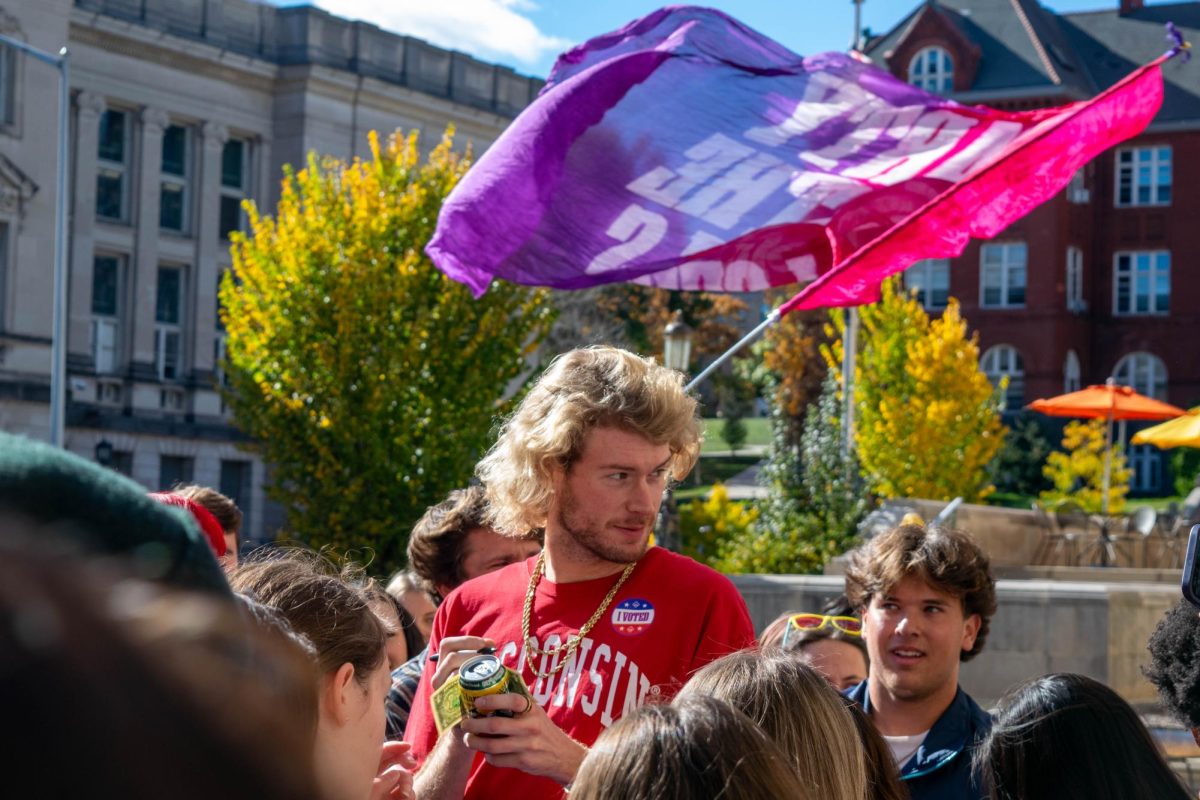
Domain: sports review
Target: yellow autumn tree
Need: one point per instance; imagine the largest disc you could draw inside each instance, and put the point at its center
(927, 418)
(370, 380)
(1077, 471)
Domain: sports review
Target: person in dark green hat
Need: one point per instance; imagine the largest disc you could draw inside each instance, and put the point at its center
(102, 512)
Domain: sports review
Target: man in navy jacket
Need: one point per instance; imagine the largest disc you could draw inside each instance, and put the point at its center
(926, 596)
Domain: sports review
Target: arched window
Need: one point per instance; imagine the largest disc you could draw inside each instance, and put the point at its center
(1146, 462)
(1145, 372)
(1071, 379)
(1001, 360)
(932, 70)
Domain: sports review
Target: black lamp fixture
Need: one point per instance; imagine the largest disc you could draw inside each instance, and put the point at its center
(104, 453)
(677, 343)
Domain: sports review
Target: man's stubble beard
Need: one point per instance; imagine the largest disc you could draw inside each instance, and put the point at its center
(587, 540)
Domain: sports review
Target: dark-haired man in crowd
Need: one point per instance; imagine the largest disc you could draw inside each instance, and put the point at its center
(926, 595)
(1175, 664)
(451, 544)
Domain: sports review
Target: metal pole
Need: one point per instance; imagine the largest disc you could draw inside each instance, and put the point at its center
(771, 319)
(58, 340)
(849, 348)
(58, 346)
(856, 40)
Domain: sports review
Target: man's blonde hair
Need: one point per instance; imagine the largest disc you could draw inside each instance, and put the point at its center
(581, 390)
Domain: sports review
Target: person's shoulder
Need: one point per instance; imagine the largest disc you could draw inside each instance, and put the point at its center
(660, 561)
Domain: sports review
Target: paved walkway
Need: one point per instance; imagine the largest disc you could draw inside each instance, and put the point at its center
(744, 485)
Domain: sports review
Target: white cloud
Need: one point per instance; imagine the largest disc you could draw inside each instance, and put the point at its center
(488, 29)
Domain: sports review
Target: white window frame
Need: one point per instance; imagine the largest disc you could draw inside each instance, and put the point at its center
(118, 169)
(1145, 461)
(1075, 302)
(932, 69)
(106, 328)
(1077, 191)
(1145, 372)
(1129, 164)
(242, 192)
(168, 336)
(922, 275)
(179, 183)
(1125, 263)
(1001, 360)
(1072, 375)
(1006, 270)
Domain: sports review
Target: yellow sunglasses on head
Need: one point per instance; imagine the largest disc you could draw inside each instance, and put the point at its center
(814, 622)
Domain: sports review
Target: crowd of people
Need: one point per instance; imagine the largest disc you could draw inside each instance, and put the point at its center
(141, 657)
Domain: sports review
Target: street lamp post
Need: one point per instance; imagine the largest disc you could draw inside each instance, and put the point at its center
(58, 339)
(677, 353)
(677, 343)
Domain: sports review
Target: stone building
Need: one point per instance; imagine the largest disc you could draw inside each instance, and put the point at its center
(180, 110)
(1104, 279)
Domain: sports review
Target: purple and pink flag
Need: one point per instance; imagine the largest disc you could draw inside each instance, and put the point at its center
(687, 151)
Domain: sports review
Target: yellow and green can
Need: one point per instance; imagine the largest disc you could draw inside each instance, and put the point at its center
(481, 676)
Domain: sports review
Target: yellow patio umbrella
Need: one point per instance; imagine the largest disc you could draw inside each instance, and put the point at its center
(1179, 432)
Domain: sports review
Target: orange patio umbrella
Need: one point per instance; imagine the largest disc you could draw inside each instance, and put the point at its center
(1108, 402)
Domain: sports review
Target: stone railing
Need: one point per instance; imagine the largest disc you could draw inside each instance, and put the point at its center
(1094, 628)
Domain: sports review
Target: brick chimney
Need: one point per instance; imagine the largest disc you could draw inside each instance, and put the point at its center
(1129, 6)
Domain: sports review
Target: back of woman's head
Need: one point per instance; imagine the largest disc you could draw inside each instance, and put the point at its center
(320, 603)
(1068, 737)
(798, 709)
(883, 776)
(696, 748)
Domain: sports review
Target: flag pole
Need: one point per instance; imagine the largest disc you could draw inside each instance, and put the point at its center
(771, 319)
(850, 337)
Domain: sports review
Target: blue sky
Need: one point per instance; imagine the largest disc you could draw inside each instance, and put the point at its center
(527, 35)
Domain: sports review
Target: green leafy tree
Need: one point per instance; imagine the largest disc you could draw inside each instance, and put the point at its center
(833, 488)
(802, 549)
(928, 419)
(1077, 471)
(735, 398)
(788, 369)
(1017, 468)
(1185, 467)
(370, 380)
(706, 523)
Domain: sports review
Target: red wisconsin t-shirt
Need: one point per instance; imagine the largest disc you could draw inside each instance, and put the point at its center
(670, 618)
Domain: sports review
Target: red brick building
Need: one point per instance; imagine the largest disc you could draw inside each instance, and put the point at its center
(1105, 278)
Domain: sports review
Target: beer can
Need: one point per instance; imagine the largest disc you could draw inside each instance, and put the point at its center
(481, 676)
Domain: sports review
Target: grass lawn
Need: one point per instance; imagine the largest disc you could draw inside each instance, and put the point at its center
(758, 431)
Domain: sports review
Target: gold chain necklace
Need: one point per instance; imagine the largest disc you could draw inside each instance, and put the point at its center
(573, 641)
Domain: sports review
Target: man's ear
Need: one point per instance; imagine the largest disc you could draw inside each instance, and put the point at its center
(336, 694)
(971, 626)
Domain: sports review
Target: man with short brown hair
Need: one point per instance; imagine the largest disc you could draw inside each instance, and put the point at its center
(926, 595)
(451, 544)
(227, 514)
